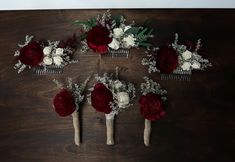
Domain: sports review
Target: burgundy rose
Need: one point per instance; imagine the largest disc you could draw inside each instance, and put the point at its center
(98, 39)
(64, 103)
(166, 59)
(151, 106)
(31, 54)
(101, 98)
(71, 42)
(190, 45)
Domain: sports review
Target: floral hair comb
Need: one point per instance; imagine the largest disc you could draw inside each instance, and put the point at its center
(110, 35)
(45, 57)
(151, 105)
(176, 61)
(67, 101)
(110, 96)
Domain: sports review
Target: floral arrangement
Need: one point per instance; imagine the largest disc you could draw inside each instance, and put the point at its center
(107, 32)
(67, 101)
(110, 96)
(151, 105)
(175, 58)
(44, 54)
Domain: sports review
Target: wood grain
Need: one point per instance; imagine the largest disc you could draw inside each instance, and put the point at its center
(199, 126)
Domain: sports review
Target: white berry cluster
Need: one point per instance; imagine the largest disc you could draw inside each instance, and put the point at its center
(149, 86)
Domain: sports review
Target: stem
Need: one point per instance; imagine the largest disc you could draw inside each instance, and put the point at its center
(147, 132)
(76, 126)
(109, 126)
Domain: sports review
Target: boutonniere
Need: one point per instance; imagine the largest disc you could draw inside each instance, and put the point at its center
(176, 61)
(151, 105)
(110, 96)
(111, 35)
(67, 101)
(45, 57)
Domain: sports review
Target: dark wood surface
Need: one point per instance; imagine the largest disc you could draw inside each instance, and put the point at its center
(199, 126)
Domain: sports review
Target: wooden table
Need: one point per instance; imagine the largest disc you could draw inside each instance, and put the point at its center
(199, 126)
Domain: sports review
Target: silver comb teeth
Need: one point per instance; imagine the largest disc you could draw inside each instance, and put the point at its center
(52, 69)
(178, 74)
(117, 53)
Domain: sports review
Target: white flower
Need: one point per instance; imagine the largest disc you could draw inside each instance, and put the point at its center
(129, 41)
(123, 99)
(47, 60)
(127, 27)
(118, 32)
(187, 55)
(59, 51)
(57, 60)
(196, 65)
(47, 50)
(118, 84)
(186, 66)
(114, 44)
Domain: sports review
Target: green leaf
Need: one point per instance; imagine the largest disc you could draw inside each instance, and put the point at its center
(90, 22)
(117, 19)
(148, 22)
(144, 44)
(133, 30)
(150, 32)
(142, 32)
(78, 22)
(83, 36)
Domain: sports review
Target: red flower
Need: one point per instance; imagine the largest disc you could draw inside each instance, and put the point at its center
(98, 39)
(166, 59)
(31, 54)
(64, 103)
(190, 45)
(71, 42)
(151, 106)
(101, 98)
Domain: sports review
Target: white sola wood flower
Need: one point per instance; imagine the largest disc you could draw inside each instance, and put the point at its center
(129, 41)
(114, 44)
(47, 60)
(196, 65)
(118, 32)
(187, 55)
(47, 50)
(59, 51)
(52, 54)
(186, 66)
(123, 99)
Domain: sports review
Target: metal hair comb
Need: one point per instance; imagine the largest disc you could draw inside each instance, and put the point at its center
(117, 53)
(52, 69)
(178, 74)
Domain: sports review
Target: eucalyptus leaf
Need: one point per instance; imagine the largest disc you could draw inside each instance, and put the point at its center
(90, 22)
(142, 32)
(117, 19)
(133, 30)
(148, 22)
(144, 44)
(150, 32)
